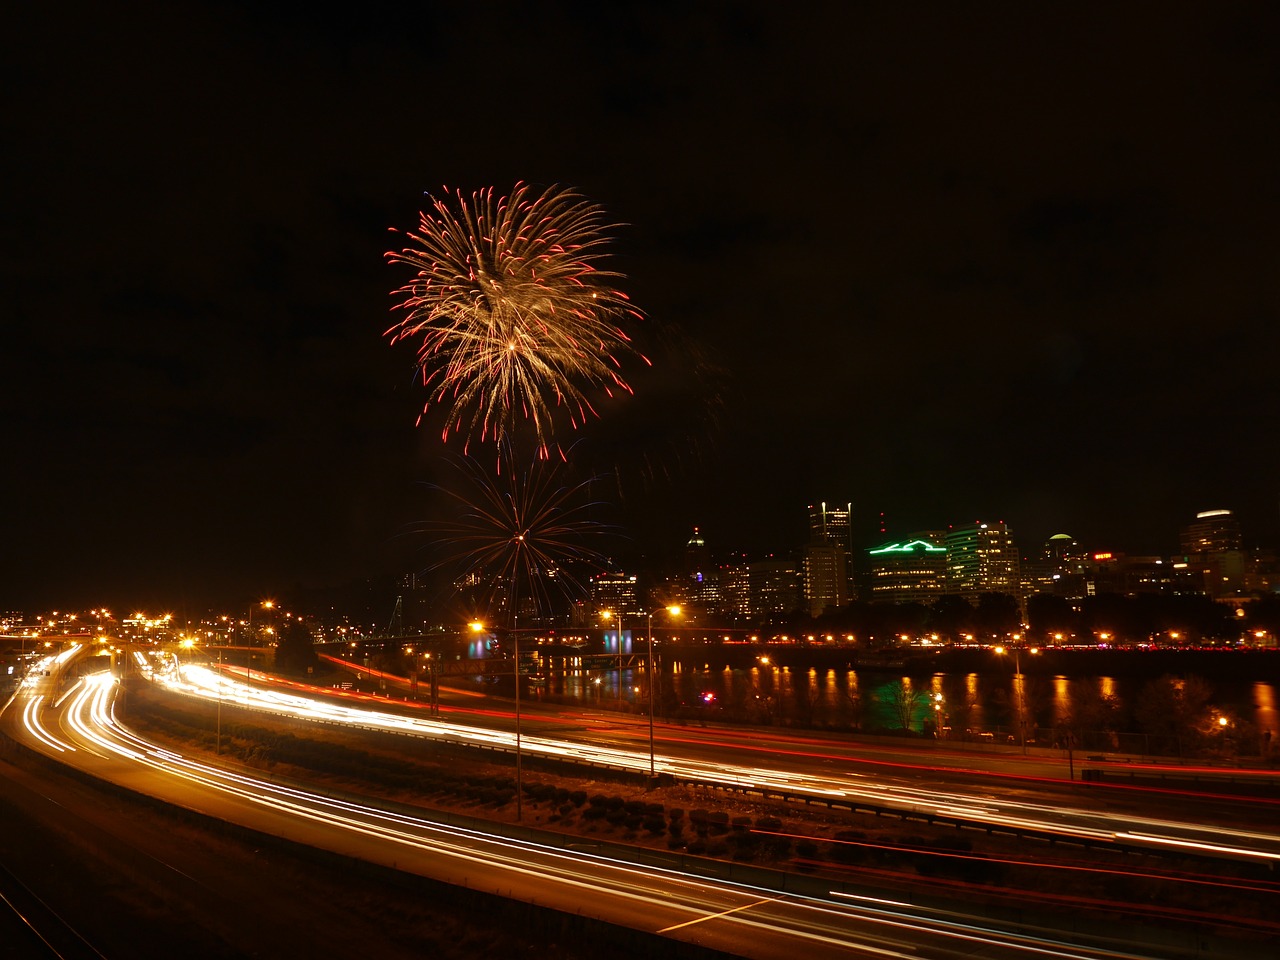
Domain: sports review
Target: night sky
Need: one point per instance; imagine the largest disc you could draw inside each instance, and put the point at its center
(946, 261)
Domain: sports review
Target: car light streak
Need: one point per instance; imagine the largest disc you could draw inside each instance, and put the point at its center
(1195, 845)
(909, 798)
(811, 923)
(31, 721)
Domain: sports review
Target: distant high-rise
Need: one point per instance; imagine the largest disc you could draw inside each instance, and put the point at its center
(981, 559)
(910, 571)
(735, 587)
(828, 558)
(615, 592)
(1213, 548)
(774, 585)
(1213, 531)
(701, 585)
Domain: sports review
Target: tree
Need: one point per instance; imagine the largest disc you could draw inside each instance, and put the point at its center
(1175, 712)
(997, 614)
(1092, 718)
(952, 616)
(295, 649)
(904, 700)
(1048, 614)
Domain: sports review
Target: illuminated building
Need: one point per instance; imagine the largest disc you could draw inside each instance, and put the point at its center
(615, 592)
(913, 571)
(702, 586)
(1213, 548)
(981, 559)
(775, 586)
(735, 588)
(1060, 569)
(1213, 531)
(828, 558)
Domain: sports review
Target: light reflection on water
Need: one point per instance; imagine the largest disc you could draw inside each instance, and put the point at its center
(848, 698)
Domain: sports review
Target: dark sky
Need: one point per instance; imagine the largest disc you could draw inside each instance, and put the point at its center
(947, 261)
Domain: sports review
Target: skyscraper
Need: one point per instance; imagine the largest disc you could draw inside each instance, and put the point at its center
(1212, 531)
(1213, 548)
(828, 558)
(981, 559)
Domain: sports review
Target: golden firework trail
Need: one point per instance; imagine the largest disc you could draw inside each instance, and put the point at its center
(513, 319)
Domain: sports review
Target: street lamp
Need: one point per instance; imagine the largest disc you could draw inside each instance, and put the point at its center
(616, 616)
(248, 654)
(675, 612)
(1019, 685)
(477, 627)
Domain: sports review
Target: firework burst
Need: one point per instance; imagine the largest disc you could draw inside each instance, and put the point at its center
(514, 321)
(519, 533)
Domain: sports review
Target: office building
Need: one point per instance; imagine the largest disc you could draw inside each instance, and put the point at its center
(981, 558)
(828, 558)
(910, 571)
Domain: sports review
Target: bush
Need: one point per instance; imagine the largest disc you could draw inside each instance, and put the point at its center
(768, 823)
(741, 824)
(654, 825)
(578, 797)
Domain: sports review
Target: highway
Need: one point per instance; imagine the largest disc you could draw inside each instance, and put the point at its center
(1208, 827)
(78, 727)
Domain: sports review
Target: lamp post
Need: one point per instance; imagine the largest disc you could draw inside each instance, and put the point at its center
(248, 654)
(477, 627)
(617, 616)
(218, 744)
(1019, 684)
(675, 612)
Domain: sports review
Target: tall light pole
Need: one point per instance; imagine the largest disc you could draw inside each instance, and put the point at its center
(1019, 685)
(248, 654)
(675, 612)
(616, 615)
(477, 627)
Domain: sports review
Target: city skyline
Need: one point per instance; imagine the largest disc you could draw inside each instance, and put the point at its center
(1006, 264)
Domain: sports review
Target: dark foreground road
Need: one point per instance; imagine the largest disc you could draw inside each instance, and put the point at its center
(136, 880)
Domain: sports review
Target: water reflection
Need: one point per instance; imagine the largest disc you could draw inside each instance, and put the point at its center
(975, 705)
